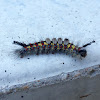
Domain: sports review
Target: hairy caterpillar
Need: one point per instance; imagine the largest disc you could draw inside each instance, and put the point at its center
(54, 46)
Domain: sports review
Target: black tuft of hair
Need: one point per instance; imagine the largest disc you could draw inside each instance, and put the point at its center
(19, 43)
(88, 43)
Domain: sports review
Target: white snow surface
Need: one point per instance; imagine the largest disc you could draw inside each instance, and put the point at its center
(31, 21)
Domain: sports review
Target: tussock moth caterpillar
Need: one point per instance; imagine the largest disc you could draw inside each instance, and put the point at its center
(54, 46)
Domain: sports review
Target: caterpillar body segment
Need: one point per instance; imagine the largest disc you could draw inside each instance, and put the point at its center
(51, 46)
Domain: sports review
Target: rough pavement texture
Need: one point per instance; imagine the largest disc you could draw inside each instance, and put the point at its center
(77, 85)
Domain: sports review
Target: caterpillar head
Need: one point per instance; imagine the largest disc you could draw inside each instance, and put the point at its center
(83, 53)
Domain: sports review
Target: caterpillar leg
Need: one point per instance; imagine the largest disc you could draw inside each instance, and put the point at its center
(21, 54)
(74, 53)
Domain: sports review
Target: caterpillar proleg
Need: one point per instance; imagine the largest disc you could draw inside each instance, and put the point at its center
(52, 46)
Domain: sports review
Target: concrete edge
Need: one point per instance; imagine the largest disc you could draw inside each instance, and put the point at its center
(63, 77)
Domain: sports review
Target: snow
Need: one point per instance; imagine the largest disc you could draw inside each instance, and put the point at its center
(31, 21)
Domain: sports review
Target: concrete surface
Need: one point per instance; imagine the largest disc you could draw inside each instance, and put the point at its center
(82, 84)
(31, 21)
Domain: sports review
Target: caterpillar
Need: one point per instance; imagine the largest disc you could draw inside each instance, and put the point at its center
(54, 46)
